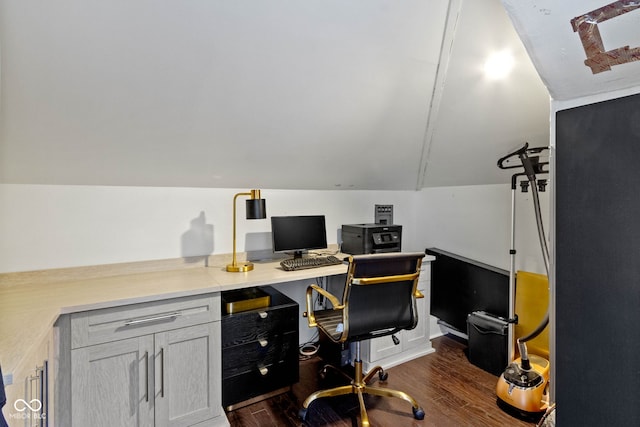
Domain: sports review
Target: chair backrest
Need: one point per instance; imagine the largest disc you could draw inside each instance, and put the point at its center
(380, 294)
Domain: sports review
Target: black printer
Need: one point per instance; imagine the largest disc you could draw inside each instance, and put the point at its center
(360, 239)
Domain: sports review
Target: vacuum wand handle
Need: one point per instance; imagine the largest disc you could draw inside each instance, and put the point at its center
(502, 162)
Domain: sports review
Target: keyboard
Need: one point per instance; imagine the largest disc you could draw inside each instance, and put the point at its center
(311, 262)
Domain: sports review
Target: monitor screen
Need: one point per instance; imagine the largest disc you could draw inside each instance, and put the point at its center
(298, 234)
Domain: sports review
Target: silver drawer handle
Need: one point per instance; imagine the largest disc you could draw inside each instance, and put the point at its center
(152, 319)
(263, 343)
(263, 314)
(263, 371)
(146, 378)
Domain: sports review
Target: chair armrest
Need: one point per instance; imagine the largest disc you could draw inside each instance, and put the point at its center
(385, 279)
(335, 302)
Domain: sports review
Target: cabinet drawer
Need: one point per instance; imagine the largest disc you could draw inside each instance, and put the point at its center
(254, 383)
(116, 323)
(258, 324)
(255, 354)
(280, 317)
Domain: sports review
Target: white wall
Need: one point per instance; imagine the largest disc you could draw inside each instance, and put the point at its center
(475, 222)
(46, 227)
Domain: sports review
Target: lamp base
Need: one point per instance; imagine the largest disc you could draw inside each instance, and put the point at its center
(240, 267)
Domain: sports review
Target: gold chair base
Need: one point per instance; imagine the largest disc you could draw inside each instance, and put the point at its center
(359, 387)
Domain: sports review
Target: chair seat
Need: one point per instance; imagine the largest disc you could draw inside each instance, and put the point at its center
(330, 321)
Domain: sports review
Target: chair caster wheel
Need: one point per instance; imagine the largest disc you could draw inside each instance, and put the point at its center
(323, 373)
(383, 375)
(418, 413)
(302, 414)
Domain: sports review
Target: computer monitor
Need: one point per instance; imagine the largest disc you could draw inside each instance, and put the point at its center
(298, 234)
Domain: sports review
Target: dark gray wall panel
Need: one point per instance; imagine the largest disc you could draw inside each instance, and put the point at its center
(598, 264)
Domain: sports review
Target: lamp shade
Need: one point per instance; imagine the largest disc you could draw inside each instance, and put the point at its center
(256, 209)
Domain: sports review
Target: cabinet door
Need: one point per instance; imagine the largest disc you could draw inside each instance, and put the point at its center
(382, 347)
(187, 363)
(30, 382)
(111, 384)
(420, 335)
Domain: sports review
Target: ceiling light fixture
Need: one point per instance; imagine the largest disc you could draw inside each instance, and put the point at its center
(498, 65)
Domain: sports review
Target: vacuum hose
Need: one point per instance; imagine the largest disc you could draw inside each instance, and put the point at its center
(531, 174)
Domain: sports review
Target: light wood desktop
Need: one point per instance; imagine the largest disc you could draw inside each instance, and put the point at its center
(31, 304)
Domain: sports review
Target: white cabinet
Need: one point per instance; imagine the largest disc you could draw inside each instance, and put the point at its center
(28, 398)
(151, 364)
(112, 384)
(187, 388)
(413, 343)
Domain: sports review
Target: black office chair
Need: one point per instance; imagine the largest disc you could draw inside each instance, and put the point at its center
(379, 299)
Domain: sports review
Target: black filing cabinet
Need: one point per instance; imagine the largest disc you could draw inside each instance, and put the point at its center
(259, 350)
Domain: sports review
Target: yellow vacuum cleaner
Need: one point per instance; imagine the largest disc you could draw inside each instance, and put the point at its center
(523, 387)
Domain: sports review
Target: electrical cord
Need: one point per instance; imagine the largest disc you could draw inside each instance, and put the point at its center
(319, 302)
(308, 350)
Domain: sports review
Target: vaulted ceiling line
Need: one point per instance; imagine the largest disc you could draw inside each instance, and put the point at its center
(448, 37)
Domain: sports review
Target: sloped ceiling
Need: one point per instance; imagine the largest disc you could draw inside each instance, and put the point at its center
(558, 52)
(315, 94)
(480, 119)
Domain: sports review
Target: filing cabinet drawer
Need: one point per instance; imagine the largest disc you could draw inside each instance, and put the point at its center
(252, 383)
(254, 354)
(117, 323)
(257, 324)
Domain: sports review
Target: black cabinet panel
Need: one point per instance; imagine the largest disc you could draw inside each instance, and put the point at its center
(260, 349)
(252, 354)
(257, 324)
(460, 286)
(254, 383)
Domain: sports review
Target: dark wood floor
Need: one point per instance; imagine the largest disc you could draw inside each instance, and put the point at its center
(452, 391)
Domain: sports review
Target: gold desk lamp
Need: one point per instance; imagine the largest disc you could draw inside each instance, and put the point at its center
(256, 209)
